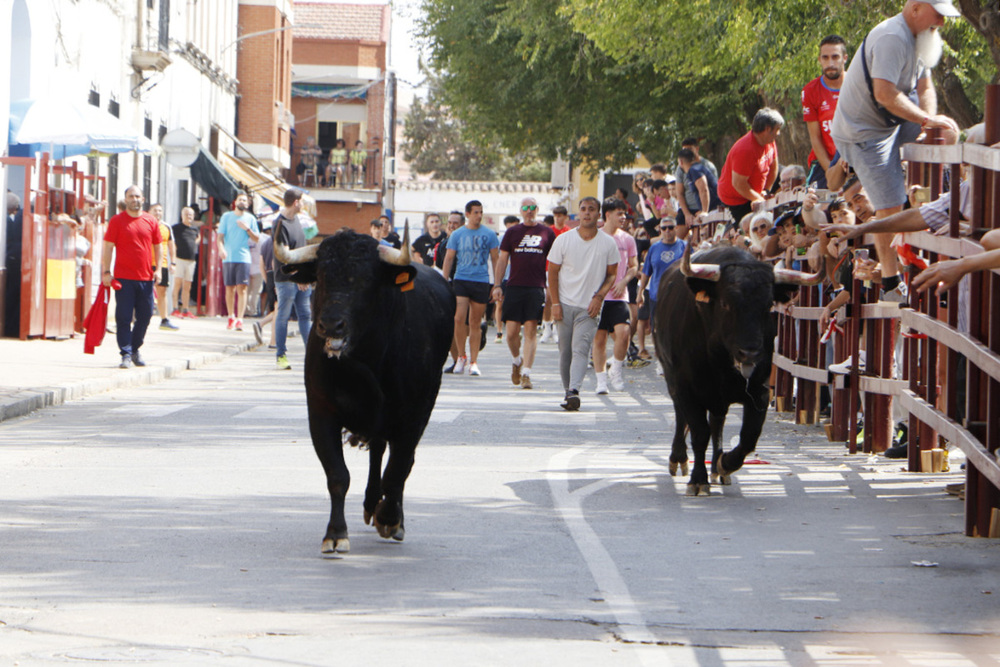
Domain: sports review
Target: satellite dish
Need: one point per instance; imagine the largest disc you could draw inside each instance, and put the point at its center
(181, 147)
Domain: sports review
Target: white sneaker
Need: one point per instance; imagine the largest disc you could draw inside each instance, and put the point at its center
(474, 369)
(844, 367)
(555, 335)
(546, 335)
(460, 365)
(602, 384)
(615, 378)
(899, 294)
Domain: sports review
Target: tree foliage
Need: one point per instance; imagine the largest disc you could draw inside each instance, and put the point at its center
(436, 143)
(602, 80)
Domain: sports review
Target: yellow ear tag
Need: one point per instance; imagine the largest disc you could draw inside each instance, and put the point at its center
(406, 287)
(702, 297)
(402, 278)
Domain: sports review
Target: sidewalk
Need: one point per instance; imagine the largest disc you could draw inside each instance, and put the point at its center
(39, 373)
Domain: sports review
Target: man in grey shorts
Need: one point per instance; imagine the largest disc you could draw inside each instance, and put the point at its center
(887, 99)
(186, 237)
(236, 229)
(583, 264)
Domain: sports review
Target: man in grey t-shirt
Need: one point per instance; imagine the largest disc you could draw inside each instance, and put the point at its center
(899, 53)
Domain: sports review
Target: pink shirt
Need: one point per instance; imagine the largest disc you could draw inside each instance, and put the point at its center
(626, 250)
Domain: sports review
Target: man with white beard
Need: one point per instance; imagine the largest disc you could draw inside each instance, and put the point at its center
(887, 100)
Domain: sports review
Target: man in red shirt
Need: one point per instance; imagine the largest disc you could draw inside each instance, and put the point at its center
(752, 165)
(819, 101)
(134, 237)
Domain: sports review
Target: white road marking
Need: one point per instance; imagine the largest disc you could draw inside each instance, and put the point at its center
(150, 410)
(445, 416)
(602, 566)
(296, 413)
(553, 418)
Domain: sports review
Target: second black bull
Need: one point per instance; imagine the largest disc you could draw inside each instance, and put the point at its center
(714, 336)
(382, 329)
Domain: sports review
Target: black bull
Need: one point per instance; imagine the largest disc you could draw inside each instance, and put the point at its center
(714, 336)
(382, 329)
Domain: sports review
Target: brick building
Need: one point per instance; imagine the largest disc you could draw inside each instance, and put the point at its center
(340, 86)
(264, 70)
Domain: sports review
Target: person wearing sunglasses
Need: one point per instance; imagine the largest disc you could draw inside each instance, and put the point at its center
(661, 256)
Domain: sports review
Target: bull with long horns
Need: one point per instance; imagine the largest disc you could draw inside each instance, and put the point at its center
(714, 336)
(382, 329)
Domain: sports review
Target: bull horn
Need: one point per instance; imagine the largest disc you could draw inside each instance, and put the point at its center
(306, 253)
(703, 271)
(789, 277)
(400, 257)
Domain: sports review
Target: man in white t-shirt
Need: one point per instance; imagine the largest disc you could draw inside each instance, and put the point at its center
(583, 264)
(615, 314)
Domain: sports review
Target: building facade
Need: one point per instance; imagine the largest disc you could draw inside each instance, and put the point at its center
(342, 90)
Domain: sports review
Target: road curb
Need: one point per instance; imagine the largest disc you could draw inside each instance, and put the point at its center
(29, 400)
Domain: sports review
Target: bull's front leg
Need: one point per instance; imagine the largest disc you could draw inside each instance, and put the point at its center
(753, 424)
(697, 422)
(678, 451)
(716, 423)
(326, 437)
(389, 511)
(373, 491)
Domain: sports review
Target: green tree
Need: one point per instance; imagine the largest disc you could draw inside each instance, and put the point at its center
(520, 76)
(437, 143)
(618, 77)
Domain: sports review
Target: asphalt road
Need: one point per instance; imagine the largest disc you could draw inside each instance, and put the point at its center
(181, 524)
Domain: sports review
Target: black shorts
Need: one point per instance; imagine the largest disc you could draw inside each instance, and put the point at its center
(633, 290)
(644, 308)
(523, 304)
(473, 290)
(163, 277)
(612, 314)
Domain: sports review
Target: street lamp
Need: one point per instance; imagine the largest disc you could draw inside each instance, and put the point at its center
(267, 32)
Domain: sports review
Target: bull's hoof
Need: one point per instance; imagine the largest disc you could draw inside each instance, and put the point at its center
(389, 532)
(699, 490)
(341, 545)
(725, 477)
(368, 518)
(683, 467)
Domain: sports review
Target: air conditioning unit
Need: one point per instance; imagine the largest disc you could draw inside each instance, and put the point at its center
(560, 174)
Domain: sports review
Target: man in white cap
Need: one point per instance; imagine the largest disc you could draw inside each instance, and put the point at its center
(887, 99)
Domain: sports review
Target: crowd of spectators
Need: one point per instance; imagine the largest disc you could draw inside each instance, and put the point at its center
(805, 216)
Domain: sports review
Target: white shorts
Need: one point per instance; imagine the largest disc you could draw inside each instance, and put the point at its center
(185, 270)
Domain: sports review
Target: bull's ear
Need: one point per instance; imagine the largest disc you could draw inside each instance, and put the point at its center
(401, 276)
(300, 273)
(704, 290)
(784, 293)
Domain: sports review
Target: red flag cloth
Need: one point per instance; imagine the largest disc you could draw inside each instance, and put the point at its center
(96, 322)
(905, 251)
